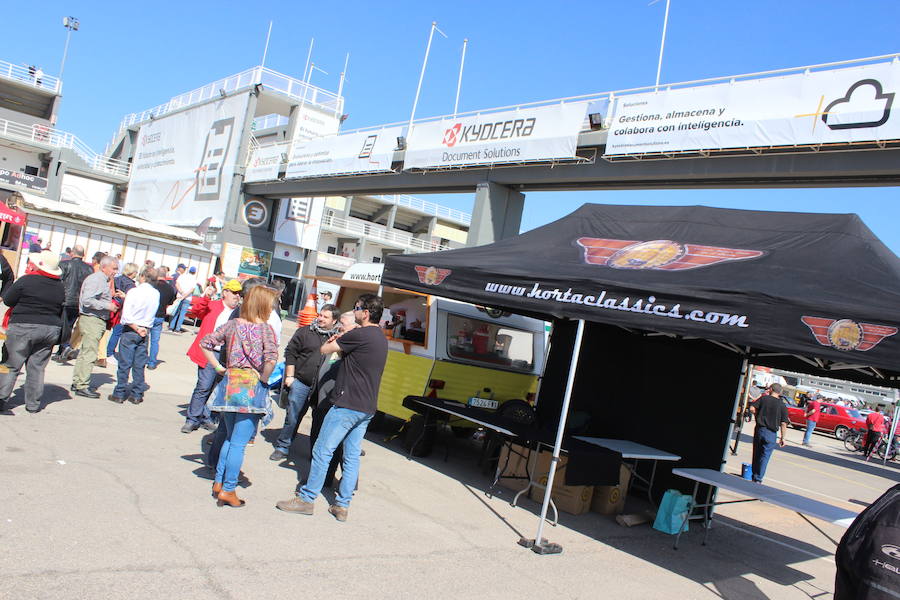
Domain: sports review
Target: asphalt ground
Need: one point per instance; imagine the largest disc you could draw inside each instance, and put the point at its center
(100, 500)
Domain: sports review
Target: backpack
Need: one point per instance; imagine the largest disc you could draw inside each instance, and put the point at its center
(868, 557)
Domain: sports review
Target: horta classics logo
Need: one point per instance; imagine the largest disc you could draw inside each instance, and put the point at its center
(845, 334)
(432, 275)
(658, 255)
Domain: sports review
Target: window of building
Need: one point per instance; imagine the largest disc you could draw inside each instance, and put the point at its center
(491, 344)
(31, 170)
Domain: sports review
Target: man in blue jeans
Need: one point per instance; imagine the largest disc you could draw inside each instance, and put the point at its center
(138, 311)
(166, 298)
(813, 409)
(302, 361)
(355, 400)
(771, 416)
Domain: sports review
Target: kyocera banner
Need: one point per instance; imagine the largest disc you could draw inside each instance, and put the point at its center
(265, 162)
(367, 152)
(313, 123)
(527, 135)
(184, 164)
(840, 105)
(299, 221)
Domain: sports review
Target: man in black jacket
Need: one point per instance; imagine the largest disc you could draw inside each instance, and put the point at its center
(74, 272)
(302, 361)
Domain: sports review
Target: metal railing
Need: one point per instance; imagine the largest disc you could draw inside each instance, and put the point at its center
(272, 80)
(373, 231)
(268, 121)
(48, 136)
(429, 208)
(28, 75)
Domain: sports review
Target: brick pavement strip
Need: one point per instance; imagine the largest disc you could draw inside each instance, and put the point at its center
(101, 500)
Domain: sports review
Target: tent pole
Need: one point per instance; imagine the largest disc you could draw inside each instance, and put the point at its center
(743, 394)
(538, 546)
(890, 439)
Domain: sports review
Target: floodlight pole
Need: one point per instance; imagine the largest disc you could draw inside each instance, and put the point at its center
(662, 45)
(70, 23)
(462, 63)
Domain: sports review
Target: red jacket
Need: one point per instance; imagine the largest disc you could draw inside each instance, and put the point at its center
(875, 422)
(209, 311)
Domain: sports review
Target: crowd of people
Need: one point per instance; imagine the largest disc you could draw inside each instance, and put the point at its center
(106, 310)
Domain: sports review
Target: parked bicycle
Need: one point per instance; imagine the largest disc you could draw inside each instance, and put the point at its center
(855, 440)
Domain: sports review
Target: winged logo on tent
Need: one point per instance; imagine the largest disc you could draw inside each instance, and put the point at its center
(846, 334)
(658, 255)
(432, 275)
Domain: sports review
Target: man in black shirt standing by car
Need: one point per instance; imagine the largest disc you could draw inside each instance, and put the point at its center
(771, 417)
(355, 399)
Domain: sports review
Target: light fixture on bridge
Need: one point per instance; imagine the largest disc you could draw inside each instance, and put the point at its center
(222, 92)
(596, 121)
(401, 143)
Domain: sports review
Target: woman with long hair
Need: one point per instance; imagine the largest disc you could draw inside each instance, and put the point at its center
(242, 398)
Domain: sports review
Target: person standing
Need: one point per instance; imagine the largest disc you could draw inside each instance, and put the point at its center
(74, 272)
(214, 314)
(302, 361)
(813, 410)
(94, 306)
(185, 285)
(122, 283)
(355, 400)
(34, 327)
(771, 417)
(138, 311)
(874, 428)
(166, 298)
(243, 396)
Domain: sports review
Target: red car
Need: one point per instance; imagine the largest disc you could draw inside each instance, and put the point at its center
(833, 418)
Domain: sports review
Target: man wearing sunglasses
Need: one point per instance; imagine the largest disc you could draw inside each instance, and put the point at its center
(355, 400)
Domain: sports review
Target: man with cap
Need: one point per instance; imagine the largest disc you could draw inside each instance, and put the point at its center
(184, 285)
(214, 314)
(34, 327)
(771, 417)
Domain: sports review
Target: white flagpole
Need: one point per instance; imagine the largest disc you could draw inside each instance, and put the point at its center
(890, 439)
(266, 50)
(343, 75)
(662, 44)
(462, 63)
(412, 115)
(308, 57)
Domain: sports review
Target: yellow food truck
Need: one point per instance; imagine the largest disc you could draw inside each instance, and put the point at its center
(452, 350)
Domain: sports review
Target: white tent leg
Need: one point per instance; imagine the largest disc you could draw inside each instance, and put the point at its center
(538, 545)
(890, 440)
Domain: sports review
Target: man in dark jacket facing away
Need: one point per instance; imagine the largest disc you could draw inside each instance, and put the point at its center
(302, 361)
(74, 272)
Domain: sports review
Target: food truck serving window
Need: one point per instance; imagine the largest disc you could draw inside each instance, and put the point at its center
(490, 344)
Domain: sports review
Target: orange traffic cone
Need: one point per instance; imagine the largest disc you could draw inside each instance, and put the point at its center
(306, 316)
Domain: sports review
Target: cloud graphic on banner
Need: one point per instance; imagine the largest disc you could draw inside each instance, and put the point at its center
(864, 105)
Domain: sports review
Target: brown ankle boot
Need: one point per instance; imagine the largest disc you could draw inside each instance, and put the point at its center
(216, 488)
(229, 498)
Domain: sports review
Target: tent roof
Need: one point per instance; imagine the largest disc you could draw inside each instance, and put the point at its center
(816, 285)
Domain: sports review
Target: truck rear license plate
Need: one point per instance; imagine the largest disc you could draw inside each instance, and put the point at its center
(483, 403)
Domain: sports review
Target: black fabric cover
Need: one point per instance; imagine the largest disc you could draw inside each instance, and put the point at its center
(747, 277)
(590, 464)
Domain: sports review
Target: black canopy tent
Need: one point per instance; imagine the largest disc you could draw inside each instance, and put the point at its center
(678, 299)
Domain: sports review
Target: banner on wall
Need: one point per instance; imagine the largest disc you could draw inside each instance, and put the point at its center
(313, 123)
(299, 222)
(23, 180)
(834, 106)
(265, 162)
(367, 152)
(243, 262)
(527, 135)
(184, 164)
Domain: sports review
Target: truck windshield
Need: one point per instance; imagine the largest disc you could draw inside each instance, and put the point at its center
(489, 343)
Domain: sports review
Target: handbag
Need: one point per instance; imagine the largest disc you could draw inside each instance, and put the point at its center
(673, 512)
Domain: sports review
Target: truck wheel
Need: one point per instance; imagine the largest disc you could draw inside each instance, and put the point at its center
(518, 411)
(418, 439)
(840, 432)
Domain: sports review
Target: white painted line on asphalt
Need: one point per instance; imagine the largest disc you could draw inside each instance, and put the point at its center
(843, 500)
(774, 541)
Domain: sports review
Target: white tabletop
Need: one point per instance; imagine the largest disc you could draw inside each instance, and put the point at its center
(764, 493)
(630, 449)
(437, 406)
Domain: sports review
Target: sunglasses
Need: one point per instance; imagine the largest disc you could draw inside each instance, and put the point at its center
(359, 308)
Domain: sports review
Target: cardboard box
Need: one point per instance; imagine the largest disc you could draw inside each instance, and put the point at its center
(610, 499)
(514, 468)
(572, 499)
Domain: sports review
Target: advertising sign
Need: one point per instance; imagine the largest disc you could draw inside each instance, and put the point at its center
(184, 164)
(835, 106)
(23, 180)
(299, 222)
(245, 262)
(367, 152)
(313, 123)
(265, 162)
(527, 135)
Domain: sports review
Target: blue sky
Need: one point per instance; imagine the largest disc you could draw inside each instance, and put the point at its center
(127, 57)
